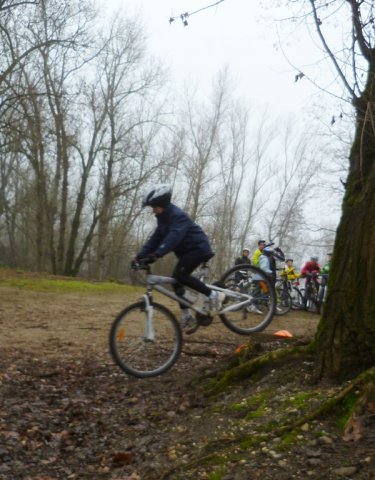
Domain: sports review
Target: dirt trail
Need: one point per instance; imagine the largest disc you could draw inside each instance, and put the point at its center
(67, 412)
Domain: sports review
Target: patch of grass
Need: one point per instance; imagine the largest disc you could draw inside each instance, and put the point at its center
(40, 283)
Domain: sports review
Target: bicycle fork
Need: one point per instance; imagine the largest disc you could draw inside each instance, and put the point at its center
(149, 321)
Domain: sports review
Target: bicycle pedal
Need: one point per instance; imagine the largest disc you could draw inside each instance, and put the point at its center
(203, 320)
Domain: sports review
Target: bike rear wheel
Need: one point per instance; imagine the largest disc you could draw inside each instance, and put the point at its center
(143, 349)
(258, 313)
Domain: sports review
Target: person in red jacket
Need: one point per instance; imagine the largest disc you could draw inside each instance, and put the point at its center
(310, 271)
(311, 268)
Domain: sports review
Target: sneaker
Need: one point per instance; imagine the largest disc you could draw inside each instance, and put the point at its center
(215, 304)
(279, 310)
(188, 324)
(254, 309)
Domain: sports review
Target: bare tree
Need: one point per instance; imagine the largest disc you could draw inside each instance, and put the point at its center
(233, 156)
(132, 122)
(202, 131)
(244, 162)
(41, 92)
(295, 180)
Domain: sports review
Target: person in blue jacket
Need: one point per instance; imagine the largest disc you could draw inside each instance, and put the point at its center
(176, 232)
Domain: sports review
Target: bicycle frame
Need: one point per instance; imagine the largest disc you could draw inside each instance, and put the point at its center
(146, 337)
(156, 282)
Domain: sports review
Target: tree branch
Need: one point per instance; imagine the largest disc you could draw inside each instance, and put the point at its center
(329, 51)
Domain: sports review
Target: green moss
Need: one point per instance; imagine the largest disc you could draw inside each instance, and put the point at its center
(287, 440)
(299, 400)
(237, 407)
(345, 409)
(252, 441)
(215, 459)
(248, 443)
(217, 409)
(260, 412)
(256, 404)
(218, 475)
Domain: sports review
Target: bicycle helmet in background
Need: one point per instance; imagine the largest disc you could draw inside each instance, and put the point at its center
(314, 257)
(158, 196)
(245, 249)
(268, 250)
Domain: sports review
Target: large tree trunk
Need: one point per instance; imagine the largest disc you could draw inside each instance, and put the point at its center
(345, 342)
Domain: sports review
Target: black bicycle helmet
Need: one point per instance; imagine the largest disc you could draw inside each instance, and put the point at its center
(158, 196)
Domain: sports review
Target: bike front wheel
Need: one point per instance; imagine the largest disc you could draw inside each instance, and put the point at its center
(283, 299)
(145, 345)
(259, 311)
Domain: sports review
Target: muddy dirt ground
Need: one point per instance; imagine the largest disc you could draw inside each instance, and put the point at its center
(67, 412)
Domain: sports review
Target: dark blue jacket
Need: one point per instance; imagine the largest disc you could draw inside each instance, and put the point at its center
(176, 232)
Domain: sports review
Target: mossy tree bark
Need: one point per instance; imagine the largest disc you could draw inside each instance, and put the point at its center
(345, 342)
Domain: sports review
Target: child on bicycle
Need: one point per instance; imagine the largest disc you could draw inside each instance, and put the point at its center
(310, 271)
(176, 232)
(289, 270)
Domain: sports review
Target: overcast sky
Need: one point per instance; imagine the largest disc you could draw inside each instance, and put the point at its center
(240, 35)
(235, 33)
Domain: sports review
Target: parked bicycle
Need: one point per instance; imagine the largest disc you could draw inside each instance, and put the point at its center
(290, 291)
(283, 297)
(146, 339)
(297, 293)
(311, 292)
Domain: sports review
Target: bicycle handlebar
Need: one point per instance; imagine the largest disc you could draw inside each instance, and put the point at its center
(140, 265)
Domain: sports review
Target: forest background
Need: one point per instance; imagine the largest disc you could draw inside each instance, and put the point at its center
(90, 118)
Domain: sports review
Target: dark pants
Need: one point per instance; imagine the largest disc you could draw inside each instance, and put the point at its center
(185, 266)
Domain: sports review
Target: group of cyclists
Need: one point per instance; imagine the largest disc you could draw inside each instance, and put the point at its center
(177, 232)
(265, 257)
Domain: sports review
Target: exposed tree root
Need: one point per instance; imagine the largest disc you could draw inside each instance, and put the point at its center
(364, 388)
(361, 389)
(243, 367)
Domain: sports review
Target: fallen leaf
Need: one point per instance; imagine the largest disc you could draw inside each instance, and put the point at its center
(123, 457)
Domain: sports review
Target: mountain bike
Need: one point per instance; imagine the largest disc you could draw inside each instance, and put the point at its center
(311, 300)
(283, 297)
(146, 338)
(296, 294)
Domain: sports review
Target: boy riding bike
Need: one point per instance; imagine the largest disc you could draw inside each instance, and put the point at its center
(176, 232)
